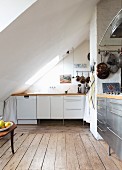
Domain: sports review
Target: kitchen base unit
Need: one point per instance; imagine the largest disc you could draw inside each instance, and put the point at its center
(26, 110)
(34, 108)
(74, 107)
(109, 122)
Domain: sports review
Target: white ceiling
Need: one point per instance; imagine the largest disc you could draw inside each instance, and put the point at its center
(11, 9)
(47, 29)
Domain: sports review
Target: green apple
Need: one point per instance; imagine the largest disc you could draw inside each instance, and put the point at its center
(2, 123)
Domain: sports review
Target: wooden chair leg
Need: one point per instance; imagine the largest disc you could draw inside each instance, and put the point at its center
(12, 141)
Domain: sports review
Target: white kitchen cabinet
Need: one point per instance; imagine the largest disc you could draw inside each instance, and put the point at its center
(56, 107)
(43, 107)
(74, 107)
(26, 110)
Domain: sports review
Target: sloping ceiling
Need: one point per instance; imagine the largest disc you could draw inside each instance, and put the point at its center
(11, 9)
(47, 29)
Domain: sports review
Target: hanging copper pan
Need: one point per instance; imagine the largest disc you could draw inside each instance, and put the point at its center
(88, 78)
(102, 70)
(82, 79)
(77, 77)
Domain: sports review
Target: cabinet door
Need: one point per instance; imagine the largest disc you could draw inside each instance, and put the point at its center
(43, 107)
(56, 107)
(26, 107)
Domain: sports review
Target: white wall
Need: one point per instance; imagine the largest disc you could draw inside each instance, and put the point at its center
(52, 78)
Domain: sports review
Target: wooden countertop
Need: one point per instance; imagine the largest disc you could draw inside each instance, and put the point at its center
(110, 96)
(48, 94)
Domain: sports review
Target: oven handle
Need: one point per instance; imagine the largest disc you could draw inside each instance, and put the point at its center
(114, 133)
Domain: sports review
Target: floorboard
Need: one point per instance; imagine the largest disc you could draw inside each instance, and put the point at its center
(38, 159)
(56, 147)
(92, 154)
(107, 161)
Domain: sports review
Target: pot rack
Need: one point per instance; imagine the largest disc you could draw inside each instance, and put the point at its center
(107, 51)
(83, 71)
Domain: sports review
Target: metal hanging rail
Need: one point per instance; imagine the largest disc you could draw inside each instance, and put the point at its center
(107, 51)
(83, 71)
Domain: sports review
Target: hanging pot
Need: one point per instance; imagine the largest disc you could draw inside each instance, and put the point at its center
(119, 62)
(112, 59)
(77, 77)
(88, 78)
(88, 56)
(102, 70)
(103, 75)
(82, 79)
(114, 68)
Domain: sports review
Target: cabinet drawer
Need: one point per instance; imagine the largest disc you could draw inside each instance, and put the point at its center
(71, 104)
(101, 117)
(101, 110)
(114, 101)
(101, 101)
(114, 120)
(115, 142)
(114, 104)
(73, 114)
(102, 131)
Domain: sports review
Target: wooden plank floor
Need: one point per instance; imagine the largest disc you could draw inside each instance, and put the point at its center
(56, 147)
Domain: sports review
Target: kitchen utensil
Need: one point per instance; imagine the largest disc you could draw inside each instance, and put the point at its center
(114, 68)
(119, 62)
(88, 78)
(77, 77)
(82, 79)
(104, 74)
(102, 70)
(112, 59)
(88, 56)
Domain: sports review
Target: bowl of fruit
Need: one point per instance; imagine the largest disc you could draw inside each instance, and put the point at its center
(5, 125)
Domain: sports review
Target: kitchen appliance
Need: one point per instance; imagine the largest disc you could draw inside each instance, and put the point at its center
(116, 27)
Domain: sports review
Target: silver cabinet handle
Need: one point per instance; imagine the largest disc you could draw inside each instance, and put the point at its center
(99, 107)
(100, 121)
(72, 100)
(99, 114)
(101, 129)
(114, 133)
(73, 109)
(116, 113)
(116, 103)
